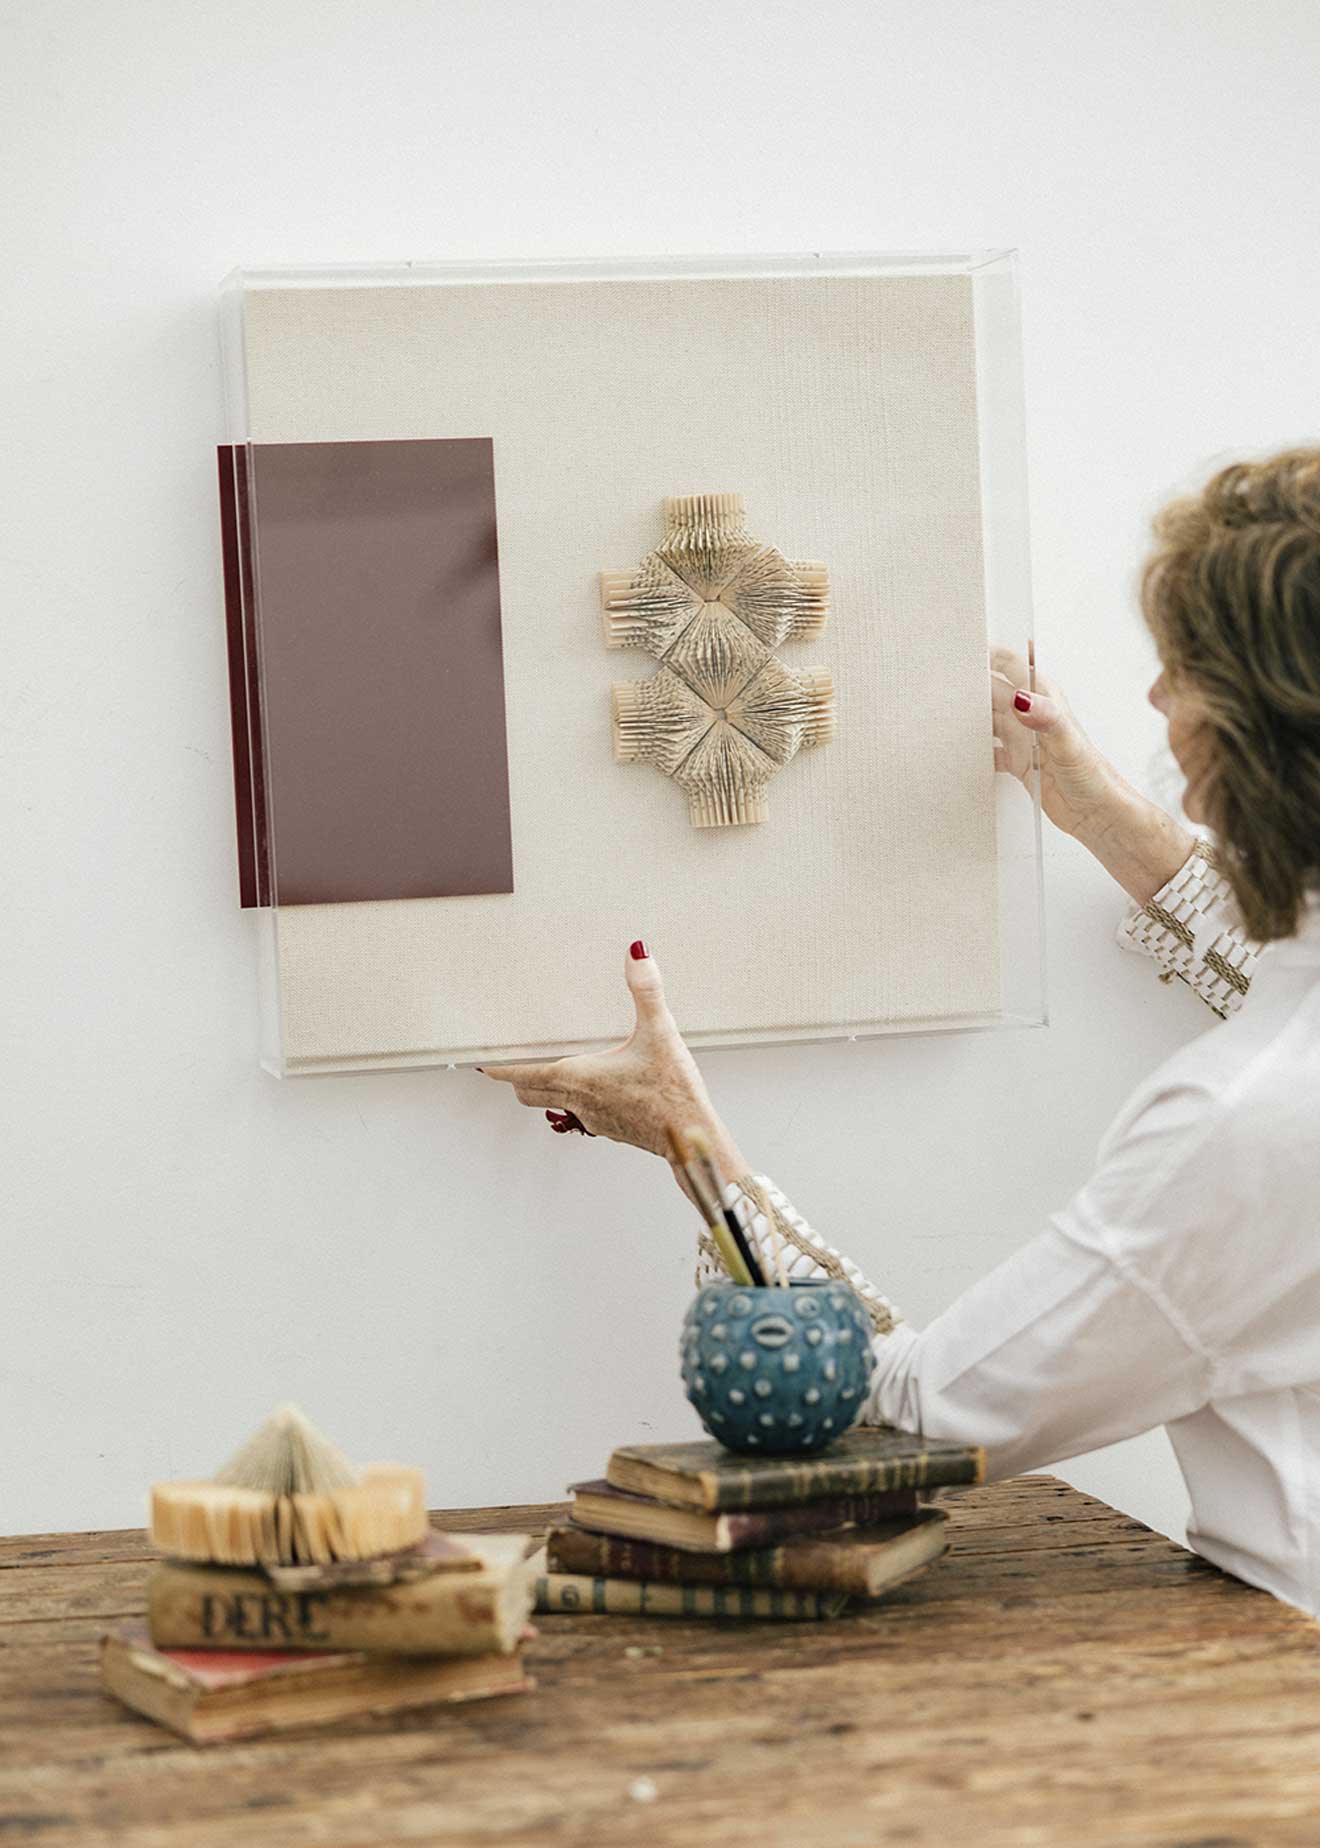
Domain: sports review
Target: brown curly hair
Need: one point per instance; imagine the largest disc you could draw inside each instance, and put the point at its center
(1231, 595)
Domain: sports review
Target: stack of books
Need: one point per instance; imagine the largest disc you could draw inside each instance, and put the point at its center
(229, 1651)
(694, 1530)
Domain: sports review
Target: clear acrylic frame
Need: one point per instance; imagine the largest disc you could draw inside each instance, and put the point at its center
(1006, 595)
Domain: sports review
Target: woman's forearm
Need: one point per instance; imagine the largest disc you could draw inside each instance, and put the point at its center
(1080, 790)
(1135, 840)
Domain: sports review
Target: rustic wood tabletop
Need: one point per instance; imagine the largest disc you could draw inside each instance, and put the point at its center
(1063, 1677)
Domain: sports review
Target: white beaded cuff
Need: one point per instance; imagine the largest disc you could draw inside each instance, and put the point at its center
(1191, 930)
(776, 1231)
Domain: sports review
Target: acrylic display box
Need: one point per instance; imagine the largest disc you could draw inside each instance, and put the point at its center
(574, 603)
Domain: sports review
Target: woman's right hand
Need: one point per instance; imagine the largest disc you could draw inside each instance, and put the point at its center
(1078, 786)
(1080, 790)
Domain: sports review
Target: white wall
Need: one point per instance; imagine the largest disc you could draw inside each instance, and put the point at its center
(423, 1265)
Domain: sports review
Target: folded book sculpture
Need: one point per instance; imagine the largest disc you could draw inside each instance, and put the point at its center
(722, 714)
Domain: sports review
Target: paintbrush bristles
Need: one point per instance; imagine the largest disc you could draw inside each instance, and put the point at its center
(288, 1456)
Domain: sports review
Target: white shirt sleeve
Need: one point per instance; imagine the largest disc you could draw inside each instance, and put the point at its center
(1070, 1343)
(1057, 1351)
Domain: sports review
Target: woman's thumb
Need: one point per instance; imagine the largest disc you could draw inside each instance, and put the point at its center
(1038, 712)
(643, 977)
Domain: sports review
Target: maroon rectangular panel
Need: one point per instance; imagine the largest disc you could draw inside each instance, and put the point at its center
(375, 715)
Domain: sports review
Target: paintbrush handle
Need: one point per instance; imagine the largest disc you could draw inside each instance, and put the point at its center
(711, 1209)
(702, 1160)
(744, 1246)
(735, 1261)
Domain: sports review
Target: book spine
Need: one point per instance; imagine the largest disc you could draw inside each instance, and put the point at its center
(208, 1607)
(564, 1591)
(781, 1481)
(244, 676)
(825, 1565)
(759, 1527)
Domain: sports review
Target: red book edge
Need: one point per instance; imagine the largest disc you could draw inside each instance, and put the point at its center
(224, 1668)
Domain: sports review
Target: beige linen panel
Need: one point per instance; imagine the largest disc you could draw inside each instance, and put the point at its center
(843, 410)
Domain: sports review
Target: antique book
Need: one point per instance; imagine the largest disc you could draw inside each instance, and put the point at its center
(603, 1509)
(621, 1597)
(703, 1474)
(215, 1694)
(443, 1613)
(863, 1561)
(435, 1552)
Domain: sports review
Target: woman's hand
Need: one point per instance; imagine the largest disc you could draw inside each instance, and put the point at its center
(635, 1092)
(1077, 785)
(1080, 790)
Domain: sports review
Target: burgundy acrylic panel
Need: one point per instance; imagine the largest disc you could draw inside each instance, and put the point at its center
(366, 670)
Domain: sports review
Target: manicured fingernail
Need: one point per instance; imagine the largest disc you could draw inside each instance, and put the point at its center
(1022, 701)
(638, 951)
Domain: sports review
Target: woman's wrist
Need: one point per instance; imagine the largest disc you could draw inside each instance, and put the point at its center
(727, 1156)
(1136, 841)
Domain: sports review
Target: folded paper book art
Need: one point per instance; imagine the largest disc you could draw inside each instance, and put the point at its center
(722, 714)
(796, 487)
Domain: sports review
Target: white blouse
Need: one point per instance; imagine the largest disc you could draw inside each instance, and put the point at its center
(1180, 1286)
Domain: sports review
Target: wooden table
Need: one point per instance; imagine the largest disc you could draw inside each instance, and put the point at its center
(1062, 1677)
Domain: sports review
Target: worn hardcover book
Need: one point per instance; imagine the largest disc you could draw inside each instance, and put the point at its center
(216, 1694)
(863, 1561)
(606, 1510)
(620, 1597)
(443, 1613)
(874, 1457)
(437, 1552)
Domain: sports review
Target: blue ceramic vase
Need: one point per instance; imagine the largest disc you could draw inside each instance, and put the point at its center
(777, 1372)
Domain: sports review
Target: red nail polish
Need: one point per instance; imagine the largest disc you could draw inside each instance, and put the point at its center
(638, 951)
(1022, 701)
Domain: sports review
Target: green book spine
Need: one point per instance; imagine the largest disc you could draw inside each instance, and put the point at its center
(868, 1459)
(565, 1591)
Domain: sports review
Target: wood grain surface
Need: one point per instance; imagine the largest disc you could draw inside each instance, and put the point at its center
(1063, 1677)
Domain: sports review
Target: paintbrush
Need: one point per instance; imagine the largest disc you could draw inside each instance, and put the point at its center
(703, 1162)
(709, 1207)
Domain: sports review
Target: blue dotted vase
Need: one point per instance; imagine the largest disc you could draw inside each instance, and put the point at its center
(775, 1371)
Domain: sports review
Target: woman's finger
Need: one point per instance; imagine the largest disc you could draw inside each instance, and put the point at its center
(642, 974)
(526, 1073)
(1010, 664)
(567, 1122)
(1036, 710)
(1001, 697)
(537, 1097)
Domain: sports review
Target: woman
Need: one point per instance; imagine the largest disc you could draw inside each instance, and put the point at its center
(1181, 1285)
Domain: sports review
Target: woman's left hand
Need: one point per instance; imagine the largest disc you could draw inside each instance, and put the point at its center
(632, 1093)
